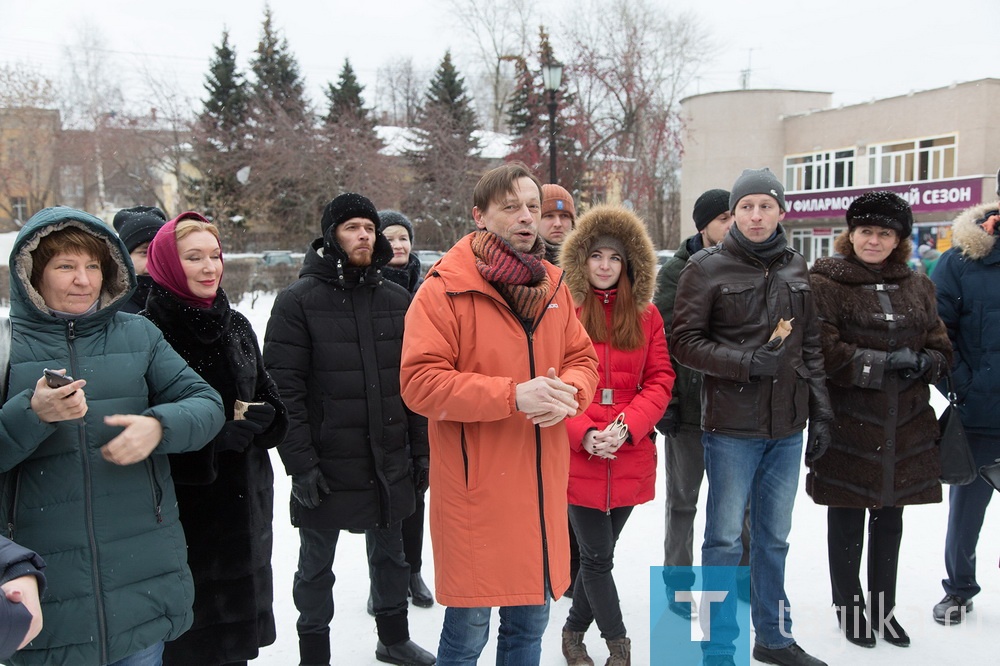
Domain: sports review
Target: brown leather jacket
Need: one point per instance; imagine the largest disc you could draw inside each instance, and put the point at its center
(728, 303)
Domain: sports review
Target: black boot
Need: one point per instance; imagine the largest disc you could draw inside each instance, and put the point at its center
(314, 649)
(419, 592)
(855, 626)
(406, 653)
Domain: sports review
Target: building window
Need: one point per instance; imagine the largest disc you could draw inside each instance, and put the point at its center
(828, 170)
(912, 161)
(815, 243)
(19, 206)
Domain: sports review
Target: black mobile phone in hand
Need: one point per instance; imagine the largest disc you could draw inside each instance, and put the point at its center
(55, 380)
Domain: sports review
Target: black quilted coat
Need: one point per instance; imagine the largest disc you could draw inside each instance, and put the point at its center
(333, 346)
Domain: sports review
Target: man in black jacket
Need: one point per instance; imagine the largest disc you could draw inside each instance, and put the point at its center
(757, 394)
(333, 345)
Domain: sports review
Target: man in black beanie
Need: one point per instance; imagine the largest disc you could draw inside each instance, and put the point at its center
(136, 227)
(333, 345)
(759, 389)
(684, 455)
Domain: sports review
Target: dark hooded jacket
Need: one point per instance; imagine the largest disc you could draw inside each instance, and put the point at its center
(333, 346)
(118, 581)
(883, 451)
(686, 396)
(968, 301)
(728, 303)
(408, 277)
(226, 499)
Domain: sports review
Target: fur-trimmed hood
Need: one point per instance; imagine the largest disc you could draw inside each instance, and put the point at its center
(972, 240)
(628, 228)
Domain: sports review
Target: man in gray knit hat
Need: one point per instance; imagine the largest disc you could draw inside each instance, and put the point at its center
(683, 453)
(759, 389)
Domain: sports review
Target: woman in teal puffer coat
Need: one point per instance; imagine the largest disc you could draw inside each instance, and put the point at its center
(85, 479)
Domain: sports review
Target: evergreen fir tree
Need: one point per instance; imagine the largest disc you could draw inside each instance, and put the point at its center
(217, 140)
(345, 99)
(278, 86)
(225, 110)
(446, 159)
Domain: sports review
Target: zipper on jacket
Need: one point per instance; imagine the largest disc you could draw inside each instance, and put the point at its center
(608, 511)
(546, 573)
(465, 457)
(12, 521)
(155, 490)
(88, 487)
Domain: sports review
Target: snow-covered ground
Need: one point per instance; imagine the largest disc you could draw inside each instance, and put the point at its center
(807, 581)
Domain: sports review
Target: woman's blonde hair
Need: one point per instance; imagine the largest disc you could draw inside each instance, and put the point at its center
(189, 225)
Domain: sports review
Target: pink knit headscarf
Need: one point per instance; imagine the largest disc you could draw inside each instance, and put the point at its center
(164, 262)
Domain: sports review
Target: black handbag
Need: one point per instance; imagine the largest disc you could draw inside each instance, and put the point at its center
(991, 474)
(958, 468)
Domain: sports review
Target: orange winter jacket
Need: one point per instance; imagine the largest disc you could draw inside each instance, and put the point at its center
(498, 483)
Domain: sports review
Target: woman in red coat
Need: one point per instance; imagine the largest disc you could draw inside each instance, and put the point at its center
(610, 268)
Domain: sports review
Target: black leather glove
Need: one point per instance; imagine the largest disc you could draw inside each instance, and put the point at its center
(924, 362)
(818, 440)
(307, 485)
(262, 415)
(902, 359)
(764, 362)
(670, 424)
(421, 473)
(236, 436)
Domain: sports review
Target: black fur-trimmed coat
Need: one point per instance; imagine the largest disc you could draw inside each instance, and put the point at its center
(883, 451)
(226, 499)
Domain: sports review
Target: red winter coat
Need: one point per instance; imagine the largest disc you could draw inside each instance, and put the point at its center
(630, 478)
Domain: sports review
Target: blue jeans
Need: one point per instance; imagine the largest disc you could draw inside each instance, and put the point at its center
(151, 656)
(519, 641)
(966, 511)
(765, 471)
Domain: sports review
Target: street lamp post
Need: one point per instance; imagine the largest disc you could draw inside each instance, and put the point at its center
(551, 78)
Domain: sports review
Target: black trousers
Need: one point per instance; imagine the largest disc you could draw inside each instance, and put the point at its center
(595, 596)
(845, 541)
(312, 588)
(413, 535)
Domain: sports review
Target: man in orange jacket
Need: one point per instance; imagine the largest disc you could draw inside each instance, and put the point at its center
(494, 356)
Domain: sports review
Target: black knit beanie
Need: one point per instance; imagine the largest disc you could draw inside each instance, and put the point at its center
(138, 225)
(392, 217)
(347, 206)
(709, 206)
(757, 181)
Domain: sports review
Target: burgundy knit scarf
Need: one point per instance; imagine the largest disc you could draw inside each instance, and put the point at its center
(519, 277)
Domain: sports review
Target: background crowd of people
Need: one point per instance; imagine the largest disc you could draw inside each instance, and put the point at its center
(523, 379)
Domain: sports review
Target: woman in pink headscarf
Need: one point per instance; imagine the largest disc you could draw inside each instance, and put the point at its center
(225, 490)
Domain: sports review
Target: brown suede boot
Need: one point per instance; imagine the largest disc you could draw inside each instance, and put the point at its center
(621, 652)
(574, 650)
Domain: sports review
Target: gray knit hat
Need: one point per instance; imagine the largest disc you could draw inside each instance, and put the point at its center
(757, 181)
(391, 217)
(138, 225)
(610, 242)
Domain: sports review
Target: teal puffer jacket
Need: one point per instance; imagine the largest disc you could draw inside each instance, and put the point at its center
(118, 580)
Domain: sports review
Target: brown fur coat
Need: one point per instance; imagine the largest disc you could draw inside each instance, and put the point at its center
(883, 451)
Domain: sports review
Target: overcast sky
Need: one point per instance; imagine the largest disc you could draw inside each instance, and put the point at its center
(856, 49)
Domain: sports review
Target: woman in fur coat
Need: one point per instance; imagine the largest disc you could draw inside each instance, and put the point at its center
(225, 490)
(883, 343)
(610, 268)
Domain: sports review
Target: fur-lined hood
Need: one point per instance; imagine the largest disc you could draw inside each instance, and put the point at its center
(972, 240)
(628, 228)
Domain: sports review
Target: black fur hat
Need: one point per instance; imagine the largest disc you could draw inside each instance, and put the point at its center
(881, 209)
